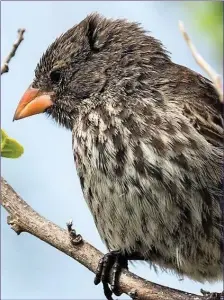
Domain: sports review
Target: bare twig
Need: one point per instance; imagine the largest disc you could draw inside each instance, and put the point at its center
(24, 219)
(5, 65)
(216, 79)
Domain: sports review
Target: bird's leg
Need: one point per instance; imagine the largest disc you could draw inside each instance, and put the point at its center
(120, 262)
(114, 261)
(75, 238)
(212, 296)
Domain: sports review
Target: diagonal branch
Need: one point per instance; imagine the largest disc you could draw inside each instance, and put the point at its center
(215, 78)
(5, 65)
(23, 218)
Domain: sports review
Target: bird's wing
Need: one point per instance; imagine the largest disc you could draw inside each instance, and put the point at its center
(200, 103)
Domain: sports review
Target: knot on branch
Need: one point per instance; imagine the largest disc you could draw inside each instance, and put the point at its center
(75, 238)
(13, 221)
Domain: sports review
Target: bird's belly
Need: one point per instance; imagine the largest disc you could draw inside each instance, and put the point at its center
(127, 220)
(117, 219)
(156, 205)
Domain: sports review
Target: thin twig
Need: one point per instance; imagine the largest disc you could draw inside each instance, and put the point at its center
(24, 219)
(5, 65)
(216, 79)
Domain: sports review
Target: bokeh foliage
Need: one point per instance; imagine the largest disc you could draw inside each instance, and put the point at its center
(208, 17)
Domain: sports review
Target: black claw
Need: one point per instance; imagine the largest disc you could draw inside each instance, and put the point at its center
(115, 276)
(107, 291)
(114, 261)
(107, 265)
(99, 270)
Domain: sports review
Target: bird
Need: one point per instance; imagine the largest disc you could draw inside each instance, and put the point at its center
(147, 138)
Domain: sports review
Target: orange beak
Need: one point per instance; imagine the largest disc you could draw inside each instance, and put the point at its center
(34, 101)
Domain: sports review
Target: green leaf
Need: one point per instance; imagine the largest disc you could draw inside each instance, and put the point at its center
(10, 148)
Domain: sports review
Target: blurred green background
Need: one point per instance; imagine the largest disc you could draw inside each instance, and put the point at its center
(207, 19)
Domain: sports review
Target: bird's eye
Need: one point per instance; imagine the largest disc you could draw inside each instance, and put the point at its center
(55, 76)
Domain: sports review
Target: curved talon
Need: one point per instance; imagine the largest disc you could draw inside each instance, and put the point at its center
(99, 269)
(114, 261)
(107, 265)
(107, 291)
(115, 276)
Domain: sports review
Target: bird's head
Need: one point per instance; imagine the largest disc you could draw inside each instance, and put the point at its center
(96, 55)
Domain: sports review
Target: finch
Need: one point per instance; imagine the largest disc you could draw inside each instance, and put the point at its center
(147, 138)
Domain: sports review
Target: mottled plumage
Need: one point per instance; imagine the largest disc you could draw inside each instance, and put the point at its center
(147, 140)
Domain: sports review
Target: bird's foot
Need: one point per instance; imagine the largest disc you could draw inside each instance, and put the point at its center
(212, 296)
(113, 261)
(75, 238)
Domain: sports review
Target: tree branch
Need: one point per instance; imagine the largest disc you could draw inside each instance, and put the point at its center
(215, 78)
(23, 218)
(5, 65)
